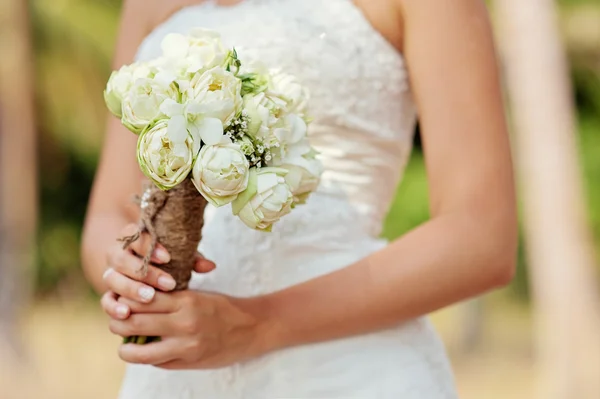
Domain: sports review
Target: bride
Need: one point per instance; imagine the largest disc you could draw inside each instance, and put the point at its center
(321, 307)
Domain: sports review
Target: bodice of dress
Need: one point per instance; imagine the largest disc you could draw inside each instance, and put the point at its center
(362, 109)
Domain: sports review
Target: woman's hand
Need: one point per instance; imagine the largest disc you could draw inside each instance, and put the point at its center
(198, 330)
(123, 276)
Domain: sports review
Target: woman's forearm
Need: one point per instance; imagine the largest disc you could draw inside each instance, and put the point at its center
(442, 262)
(101, 232)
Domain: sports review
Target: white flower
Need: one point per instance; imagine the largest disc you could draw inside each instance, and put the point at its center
(252, 62)
(188, 118)
(216, 94)
(141, 104)
(254, 75)
(163, 158)
(263, 113)
(289, 88)
(292, 139)
(120, 82)
(266, 199)
(304, 176)
(201, 49)
(220, 173)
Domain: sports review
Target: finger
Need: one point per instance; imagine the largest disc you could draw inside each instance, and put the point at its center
(148, 325)
(141, 246)
(113, 308)
(159, 352)
(162, 303)
(130, 265)
(124, 286)
(203, 265)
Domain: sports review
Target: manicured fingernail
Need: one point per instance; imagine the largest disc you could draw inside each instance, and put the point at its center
(107, 272)
(166, 283)
(122, 310)
(162, 255)
(146, 293)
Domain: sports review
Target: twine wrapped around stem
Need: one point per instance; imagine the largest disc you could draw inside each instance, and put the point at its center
(174, 219)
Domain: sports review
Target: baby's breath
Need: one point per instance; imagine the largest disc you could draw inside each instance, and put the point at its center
(238, 127)
(257, 151)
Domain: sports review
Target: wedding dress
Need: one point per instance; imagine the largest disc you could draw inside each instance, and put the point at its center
(364, 117)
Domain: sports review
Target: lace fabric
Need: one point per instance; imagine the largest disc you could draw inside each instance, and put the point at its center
(363, 121)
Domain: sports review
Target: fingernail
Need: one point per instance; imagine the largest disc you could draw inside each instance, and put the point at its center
(166, 283)
(146, 293)
(122, 310)
(162, 255)
(107, 272)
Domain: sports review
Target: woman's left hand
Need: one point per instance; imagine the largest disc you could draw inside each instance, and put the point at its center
(198, 330)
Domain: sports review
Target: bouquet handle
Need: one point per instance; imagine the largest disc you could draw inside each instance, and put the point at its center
(174, 219)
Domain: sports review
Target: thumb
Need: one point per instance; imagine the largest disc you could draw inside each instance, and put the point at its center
(203, 265)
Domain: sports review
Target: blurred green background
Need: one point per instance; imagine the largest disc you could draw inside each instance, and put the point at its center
(72, 62)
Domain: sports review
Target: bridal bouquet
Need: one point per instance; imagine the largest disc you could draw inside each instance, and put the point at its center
(212, 130)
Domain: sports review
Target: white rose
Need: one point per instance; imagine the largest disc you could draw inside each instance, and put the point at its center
(263, 114)
(164, 158)
(141, 104)
(120, 82)
(215, 94)
(201, 49)
(266, 199)
(288, 87)
(220, 173)
(303, 177)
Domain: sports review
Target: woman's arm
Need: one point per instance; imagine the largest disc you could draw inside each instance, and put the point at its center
(469, 245)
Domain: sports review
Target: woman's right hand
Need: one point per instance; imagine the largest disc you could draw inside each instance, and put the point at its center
(123, 275)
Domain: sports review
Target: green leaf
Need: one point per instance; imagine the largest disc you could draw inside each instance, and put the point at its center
(246, 195)
(132, 128)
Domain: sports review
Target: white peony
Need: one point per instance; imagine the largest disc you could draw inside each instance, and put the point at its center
(220, 173)
(201, 49)
(304, 176)
(266, 199)
(164, 158)
(141, 105)
(215, 94)
(288, 87)
(120, 82)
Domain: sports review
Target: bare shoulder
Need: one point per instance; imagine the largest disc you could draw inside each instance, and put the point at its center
(385, 17)
(154, 12)
(140, 17)
(163, 9)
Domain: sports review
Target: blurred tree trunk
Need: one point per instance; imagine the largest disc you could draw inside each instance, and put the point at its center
(558, 241)
(18, 196)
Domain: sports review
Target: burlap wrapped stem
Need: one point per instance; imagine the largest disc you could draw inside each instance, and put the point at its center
(174, 219)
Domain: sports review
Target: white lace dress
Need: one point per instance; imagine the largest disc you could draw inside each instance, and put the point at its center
(364, 117)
